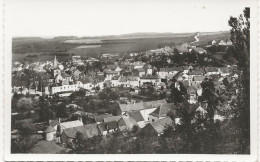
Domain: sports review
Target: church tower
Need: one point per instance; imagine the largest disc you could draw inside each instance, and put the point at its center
(55, 62)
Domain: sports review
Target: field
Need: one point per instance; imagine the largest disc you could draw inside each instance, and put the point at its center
(65, 47)
(206, 37)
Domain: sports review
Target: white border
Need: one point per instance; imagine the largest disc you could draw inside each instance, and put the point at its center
(136, 157)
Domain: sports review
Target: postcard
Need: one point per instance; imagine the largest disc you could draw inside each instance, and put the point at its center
(111, 80)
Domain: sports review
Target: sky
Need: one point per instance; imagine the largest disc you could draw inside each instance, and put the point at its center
(47, 18)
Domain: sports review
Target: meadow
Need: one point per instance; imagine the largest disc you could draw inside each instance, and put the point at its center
(65, 47)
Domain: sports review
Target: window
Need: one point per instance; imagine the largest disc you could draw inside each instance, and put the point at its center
(152, 120)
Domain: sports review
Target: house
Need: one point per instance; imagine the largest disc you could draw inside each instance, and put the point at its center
(110, 74)
(150, 107)
(200, 113)
(122, 81)
(157, 128)
(99, 82)
(145, 108)
(76, 73)
(211, 71)
(163, 73)
(133, 81)
(192, 94)
(114, 81)
(195, 72)
(224, 71)
(118, 69)
(166, 72)
(138, 72)
(57, 89)
(69, 124)
(137, 116)
(50, 133)
(153, 79)
(137, 65)
(111, 118)
(68, 135)
(100, 118)
(185, 69)
(107, 127)
(162, 112)
(197, 80)
(126, 123)
(111, 67)
(85, 82)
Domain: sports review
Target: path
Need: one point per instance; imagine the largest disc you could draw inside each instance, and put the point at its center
(196, 38)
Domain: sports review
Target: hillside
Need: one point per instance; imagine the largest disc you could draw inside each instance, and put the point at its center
(92, 46)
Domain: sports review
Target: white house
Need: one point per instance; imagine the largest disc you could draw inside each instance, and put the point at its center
(111, 74)
(211, 71)
(145, 108)
(154, 79)
(133, 81)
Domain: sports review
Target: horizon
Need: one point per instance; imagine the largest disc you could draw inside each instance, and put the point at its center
(116, 35)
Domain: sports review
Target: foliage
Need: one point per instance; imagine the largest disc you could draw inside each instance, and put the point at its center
(240, 36)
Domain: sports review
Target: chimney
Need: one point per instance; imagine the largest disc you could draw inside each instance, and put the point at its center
(59, 120)
(49, 121)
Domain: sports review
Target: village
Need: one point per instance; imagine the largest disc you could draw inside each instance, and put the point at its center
(58, 101)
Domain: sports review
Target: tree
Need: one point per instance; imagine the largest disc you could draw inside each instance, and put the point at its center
(240, 37)
(45, 112)
(176, 96)
(175, 51)
(62, 111)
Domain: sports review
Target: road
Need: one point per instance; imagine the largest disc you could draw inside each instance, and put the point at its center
(196, 38)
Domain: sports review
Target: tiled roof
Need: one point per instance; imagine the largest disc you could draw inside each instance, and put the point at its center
(136, 115)
(122, 79)
(161, 124)
(133, 78)
(100, 118)
(88, 131)
(199, 78)
(211, 69)
(163, 110)
(171, 69)
(127, 121)
(224, 69)
(107, 126)
(131, 107)
(154, 104)
(140, 69)
(111, 72)
(54, 122)
(149, 77)
(111, 118)
(116, 77)
(197, 71)
(64, 75)
(71, 124)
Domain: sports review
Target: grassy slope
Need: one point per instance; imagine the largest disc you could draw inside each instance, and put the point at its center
(135, 42)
